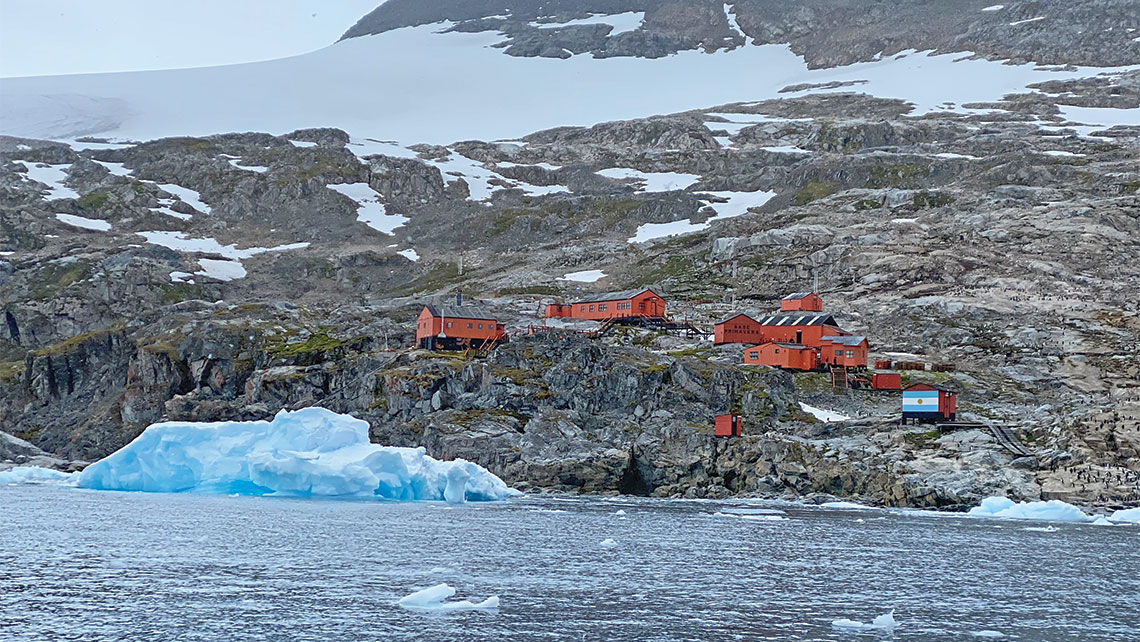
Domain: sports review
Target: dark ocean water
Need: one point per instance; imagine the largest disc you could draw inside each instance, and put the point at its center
(90, 565)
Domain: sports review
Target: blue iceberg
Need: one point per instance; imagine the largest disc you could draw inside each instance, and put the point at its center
(305, 453)
(1053, 510)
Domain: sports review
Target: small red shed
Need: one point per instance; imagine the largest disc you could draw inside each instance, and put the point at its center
(728, 425)
(886, 381)
(790, 356)
(802, 302)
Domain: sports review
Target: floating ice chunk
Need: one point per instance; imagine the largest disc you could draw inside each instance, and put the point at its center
(1053, 510)
(620, 512)
(847, 506)
(608, 543)
(1127, 515)
(309, 452)
(884, 622)
(1102, 521)
(432, 599)
(32, 475)
(1041, 529)
(988, 634)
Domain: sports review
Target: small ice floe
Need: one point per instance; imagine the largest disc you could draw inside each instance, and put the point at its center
(1040, 529)
(847, 506)
(1053, 510)
(608, 543)
(1101, 520)
(620, 512)
(754, 514)
(32, 475)
(860, 521)
(432, 599)
(987, 634)
(885, 622)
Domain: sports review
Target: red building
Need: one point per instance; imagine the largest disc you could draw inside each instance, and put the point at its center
(790, 356)
(847, 351)
(802, 302)
(457, 328)
(611, 305)
(806, 329)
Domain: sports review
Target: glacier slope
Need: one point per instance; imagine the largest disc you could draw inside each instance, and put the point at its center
(418, 84)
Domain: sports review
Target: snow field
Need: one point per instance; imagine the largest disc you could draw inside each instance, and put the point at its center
(370, 210)
(584, 276)
(83, 222)
(51, 175)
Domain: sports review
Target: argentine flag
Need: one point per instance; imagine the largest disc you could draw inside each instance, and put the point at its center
(920, 401)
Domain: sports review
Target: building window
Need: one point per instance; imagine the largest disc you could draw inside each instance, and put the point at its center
(591, 308)
(754, 355)
(850, 353)
(583, 309)
(449, 324)
(480, 326)
(470, 325)
(602, 307)
(641, 306)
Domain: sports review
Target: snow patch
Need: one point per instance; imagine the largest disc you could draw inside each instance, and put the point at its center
(1027, 21)
(308, 453)
(186, 195)
(736, 203)
(621, 22)
(222, 270)
(584, 276)
(409, 254)
(994, 7)
(369, 209)
(432, 599)
(1060, 152)
(823, 415)
(302, 143)
(952, 155)
(181, 277)
(51, 175)
(608, 543)
(83, 222)
(652, 181)
(116, 169)
(1053, 510)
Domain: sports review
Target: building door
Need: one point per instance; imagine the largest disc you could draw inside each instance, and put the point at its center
(799, 336)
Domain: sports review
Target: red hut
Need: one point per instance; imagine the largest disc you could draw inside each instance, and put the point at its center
(728, 425)
(802, 302)
(630, 303)
(886, 381)
(457, 328)
(790, 356)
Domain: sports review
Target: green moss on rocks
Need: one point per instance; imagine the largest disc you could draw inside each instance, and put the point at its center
(815, 190)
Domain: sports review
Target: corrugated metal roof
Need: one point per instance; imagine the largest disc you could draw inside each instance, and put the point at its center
(738, 314)
(798, 318)
(614, 296)
(462, 312)
(845, 341)
(798, 295)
